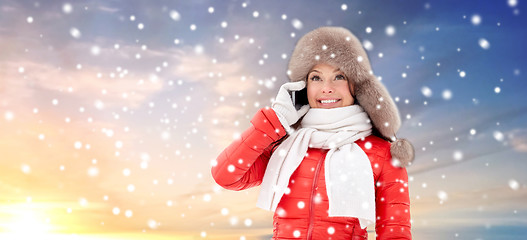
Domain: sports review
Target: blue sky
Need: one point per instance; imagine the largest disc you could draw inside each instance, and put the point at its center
(124, 105)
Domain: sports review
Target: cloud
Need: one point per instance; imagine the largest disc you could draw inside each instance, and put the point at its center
(7, 9)
(229, 79)
(239, 48)
(116, 76)
(518, 139)
(226, 77)
(108, 9)
(224, 131)
(86, 84)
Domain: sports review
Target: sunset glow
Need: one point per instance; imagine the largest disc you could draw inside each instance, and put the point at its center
(113, 112)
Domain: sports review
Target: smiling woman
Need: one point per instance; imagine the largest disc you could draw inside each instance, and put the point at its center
(327, 170)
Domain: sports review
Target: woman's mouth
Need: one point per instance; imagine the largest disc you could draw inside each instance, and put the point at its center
(328, 102)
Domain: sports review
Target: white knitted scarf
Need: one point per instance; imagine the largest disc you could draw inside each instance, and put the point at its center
(348, 172)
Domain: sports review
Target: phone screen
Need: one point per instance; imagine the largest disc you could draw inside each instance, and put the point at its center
(300, 98)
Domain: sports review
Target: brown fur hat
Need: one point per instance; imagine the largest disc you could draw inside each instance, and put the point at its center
(338, 47)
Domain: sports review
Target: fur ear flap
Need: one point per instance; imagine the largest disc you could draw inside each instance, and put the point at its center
(378, 103)
(402, 152)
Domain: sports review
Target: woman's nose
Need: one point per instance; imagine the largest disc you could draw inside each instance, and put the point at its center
(327, 88)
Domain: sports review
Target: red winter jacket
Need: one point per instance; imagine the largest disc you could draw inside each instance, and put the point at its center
(302, 212)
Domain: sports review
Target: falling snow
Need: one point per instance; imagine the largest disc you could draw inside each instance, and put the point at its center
(390, 30)
(297, 24)
(483, 43)
(119, 111)
(475, 19)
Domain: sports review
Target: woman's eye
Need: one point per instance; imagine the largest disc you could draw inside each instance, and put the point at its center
(315, 78)
(340, 77)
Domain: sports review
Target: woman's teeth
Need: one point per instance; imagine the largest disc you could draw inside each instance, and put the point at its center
(328, 101)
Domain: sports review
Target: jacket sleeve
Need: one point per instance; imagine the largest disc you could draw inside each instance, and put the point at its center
(392, 202)
(242, 164)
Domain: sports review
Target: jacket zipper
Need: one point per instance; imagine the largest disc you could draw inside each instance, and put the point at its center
(311, 199)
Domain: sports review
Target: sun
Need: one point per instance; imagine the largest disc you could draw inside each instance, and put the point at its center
(24, 223)
(28, 220)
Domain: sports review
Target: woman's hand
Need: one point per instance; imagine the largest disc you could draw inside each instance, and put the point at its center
(283, 104)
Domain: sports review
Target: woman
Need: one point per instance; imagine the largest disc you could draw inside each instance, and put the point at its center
(328, 169)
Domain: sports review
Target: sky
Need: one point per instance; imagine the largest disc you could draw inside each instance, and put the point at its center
(112, 112)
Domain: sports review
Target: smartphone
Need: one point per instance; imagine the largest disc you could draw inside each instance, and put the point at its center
(300, 98)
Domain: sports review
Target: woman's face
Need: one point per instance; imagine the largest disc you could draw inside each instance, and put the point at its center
(328, 87)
